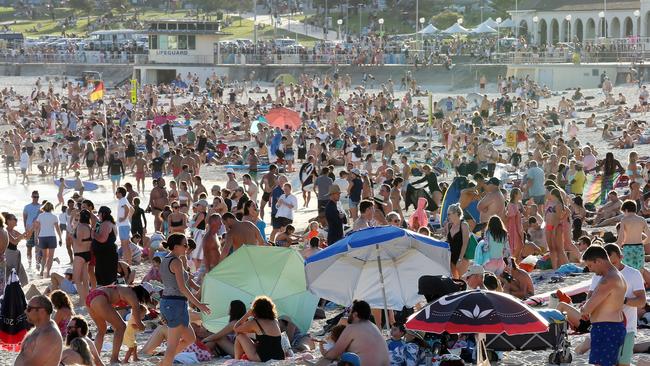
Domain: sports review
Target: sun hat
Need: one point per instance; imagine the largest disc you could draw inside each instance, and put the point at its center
(230, 171)
(474, 270)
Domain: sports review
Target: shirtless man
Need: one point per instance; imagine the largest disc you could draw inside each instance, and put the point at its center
(44, 344)
(610, 209)
(520, 285)
(239, 233)
(467, 196)
(493, 203)
(211, 244)
(361, 336)
(268, 183)
(605, 308)
(157, 201)
(140, 171)
(198, 188)
(176, 163)
(630, 237)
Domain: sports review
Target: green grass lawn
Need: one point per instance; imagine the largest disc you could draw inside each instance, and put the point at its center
(394, 22)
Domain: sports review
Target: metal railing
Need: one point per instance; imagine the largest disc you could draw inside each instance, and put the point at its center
(82, 57)
(531, 57)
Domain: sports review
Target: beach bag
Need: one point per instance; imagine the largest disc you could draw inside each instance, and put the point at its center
(481, 253)
(472, 243)
(13, 320)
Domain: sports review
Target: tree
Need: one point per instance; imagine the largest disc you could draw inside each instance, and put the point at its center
(445, 19)
(120, 5)
(85, 6)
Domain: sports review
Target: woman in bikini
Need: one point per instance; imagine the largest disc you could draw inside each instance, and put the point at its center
(184, 198)
(176, 221)
(81, 246)
(555, 217)
(12, 254)
(101, 303)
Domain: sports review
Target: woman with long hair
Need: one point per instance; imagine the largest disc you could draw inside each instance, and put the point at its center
(104, 248)
(177, 220)
(458, 238)
(514, 225)
(175, 297)
(225, 338)
(82, 241)
(101, 303)
(555, 217)
(12, 254)
(496, 239)
(90, 157)
(64, 309)
(47, 227)
(262, 320)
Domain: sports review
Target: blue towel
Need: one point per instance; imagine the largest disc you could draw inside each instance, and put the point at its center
(569, 268)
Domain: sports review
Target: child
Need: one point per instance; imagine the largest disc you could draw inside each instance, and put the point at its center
(286, 238)
(129, 337)
(78, 184)
(330, 340)
(154, 272)
(397, 332)
(59, 194)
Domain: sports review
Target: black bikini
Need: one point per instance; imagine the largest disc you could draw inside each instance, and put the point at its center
(84, 255)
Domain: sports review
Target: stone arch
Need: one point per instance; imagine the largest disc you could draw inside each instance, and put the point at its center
(543, 32)
(590, 29)
(578, 30)
(523, 28)
(628, 27)
(615, 28)
(555, 31)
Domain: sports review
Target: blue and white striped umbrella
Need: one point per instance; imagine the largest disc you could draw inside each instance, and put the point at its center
(379, 265)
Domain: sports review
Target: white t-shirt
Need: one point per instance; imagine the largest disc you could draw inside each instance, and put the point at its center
(120, 212)
(634, 281)
(343, 184)
(47, 221)
(283, 210)
(24, 160)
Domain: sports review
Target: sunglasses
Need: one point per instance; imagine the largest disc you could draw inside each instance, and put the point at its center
(30, 308)
(35, 196)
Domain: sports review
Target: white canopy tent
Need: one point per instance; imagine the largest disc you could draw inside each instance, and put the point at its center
(508, 23)
(490, 22)
(483, 29)
(429, 29)
(456, 29)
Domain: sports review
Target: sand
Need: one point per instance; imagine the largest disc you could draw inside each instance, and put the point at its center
(16, 196)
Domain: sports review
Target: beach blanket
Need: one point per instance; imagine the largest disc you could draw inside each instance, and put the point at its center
(578, 288)
(596, 188)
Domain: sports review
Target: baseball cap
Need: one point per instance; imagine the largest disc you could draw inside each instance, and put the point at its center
(203, 203)
(351, 358)
(68, 271)
(356, 172)
(230, 171)
(474, 270)
(334, 188)
(494, 181)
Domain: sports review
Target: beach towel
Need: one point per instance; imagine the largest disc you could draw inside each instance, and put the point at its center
(419, 217)
(596, 188)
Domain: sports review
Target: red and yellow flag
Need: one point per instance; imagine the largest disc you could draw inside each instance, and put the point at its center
(98, 92)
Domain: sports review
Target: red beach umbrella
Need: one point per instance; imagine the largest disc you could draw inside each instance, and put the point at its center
(284, 118)
(478, 311)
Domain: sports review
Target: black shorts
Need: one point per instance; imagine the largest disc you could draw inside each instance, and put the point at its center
(281, 222)
(266, 196)
(9, 161)
(583, 327)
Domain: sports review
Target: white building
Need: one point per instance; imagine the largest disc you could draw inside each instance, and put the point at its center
(551, 21)
(177, 47)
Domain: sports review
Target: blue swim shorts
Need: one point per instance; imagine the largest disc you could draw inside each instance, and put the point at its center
(606, 341)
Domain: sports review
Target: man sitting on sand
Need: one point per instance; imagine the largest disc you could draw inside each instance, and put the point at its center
(609, 209)
(360, 336)
(44, 344)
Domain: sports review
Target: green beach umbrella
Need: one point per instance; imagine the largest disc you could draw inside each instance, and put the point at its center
(286, 79)
(252, 271)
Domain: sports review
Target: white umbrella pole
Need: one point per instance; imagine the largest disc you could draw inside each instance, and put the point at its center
(481, 352)
(383, 288)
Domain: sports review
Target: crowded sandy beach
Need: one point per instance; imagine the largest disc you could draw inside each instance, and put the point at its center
(129, 267)
(453, 196)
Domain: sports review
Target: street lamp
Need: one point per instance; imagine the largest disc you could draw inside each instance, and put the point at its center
(499, 20)
(381, 33)
(568, 27)
(637, 14)
(339, 22)
(421, 35)
(535, 21)
(603, 24)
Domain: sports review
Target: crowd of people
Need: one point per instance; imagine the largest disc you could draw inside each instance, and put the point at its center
(365, 157)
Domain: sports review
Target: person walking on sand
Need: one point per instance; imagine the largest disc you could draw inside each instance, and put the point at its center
(605, 308)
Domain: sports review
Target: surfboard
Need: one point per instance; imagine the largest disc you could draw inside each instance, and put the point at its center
(70, 183)
(452, 196)
(261, 167)
(578, 288)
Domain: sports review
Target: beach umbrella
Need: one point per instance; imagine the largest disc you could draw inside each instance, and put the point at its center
(253, 271)
(478, 311)
(456, 29)
(283, 118)
(13, 320)
(429, 29)
(379, 265)
(483, 29)
(285, 78)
